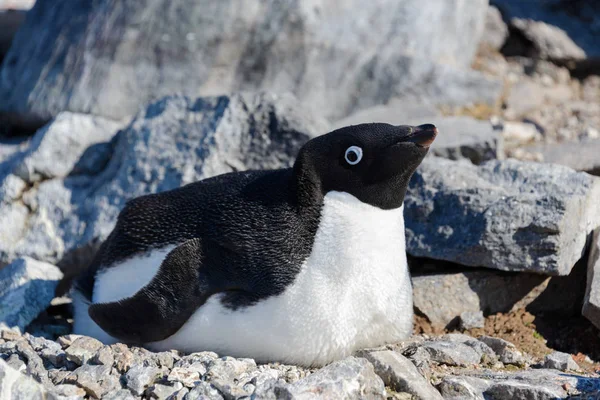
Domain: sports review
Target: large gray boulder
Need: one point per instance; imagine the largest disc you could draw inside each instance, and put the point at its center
(108, 59)
(173, 142)
(507, 215)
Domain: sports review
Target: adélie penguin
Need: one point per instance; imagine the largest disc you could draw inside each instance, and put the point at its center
(302, 265)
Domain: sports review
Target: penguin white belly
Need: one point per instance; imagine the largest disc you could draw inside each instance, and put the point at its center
(353, 291)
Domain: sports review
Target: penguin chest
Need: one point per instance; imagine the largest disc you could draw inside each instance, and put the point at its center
(353, 291)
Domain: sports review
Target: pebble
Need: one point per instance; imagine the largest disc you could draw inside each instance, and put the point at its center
(82, 349)
(452, 353)
(139, 377)
(560, 361)
(94, 379)
(507, 352)
(162, 392)
(204, 391)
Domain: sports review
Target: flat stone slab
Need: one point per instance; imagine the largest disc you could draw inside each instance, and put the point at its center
(581, 155)
(543, 384)
(507, 215)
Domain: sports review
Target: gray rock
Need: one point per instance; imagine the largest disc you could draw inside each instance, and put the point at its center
(471, 320)
(204, 391)
(452, 353)
(173, 142)
(295, 47)
(96, 380)
(527, 96)
(462, 388)
(350, 378)
(229, 367)
(400, 374)
(162, 392)
(189, 377)
(579, 19)
(119, 394)
(496, 31)
(55, 149)
(180, 394)
(518, 134)
(48, 350)
(104, 356)
(67, 340)
(482, 349)
(444, 296)
(506, 351)
(34, 363)
(15, 362)
(230, 390)
(466, 138)
(139, 377)
(16, 386)
(591, 302)
(580, 155)
(560, 361)
(26, 289)
(507, 215)
(548, 42)
(69, 392)
(83, 349)
(530, 384)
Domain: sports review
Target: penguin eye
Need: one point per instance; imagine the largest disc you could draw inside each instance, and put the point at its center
(353, 155)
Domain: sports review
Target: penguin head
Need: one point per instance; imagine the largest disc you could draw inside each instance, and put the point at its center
(373, 162)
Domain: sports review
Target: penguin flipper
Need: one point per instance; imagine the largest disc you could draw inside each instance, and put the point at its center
(160, 308)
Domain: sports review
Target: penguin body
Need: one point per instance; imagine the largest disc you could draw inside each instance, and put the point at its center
(302, 265)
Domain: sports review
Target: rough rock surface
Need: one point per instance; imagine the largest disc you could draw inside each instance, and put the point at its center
(304, 48)
(507, 352)
(383, 373)
(15, 385)
(539, 384)
(172, 142)
(507, 215)
(400, 374)
(591, 302)
(26, 288)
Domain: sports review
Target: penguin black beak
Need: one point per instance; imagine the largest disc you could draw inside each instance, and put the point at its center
(422, 135)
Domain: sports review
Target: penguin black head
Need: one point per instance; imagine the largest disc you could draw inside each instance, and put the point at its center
(373, 162)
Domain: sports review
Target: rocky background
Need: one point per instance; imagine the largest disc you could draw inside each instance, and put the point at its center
(105, 100)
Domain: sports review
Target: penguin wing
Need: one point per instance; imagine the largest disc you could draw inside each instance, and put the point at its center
(160, 308)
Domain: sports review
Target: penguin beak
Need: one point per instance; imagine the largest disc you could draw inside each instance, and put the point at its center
(422, 135)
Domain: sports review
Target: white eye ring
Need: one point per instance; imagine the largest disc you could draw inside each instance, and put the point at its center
(356, 151)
